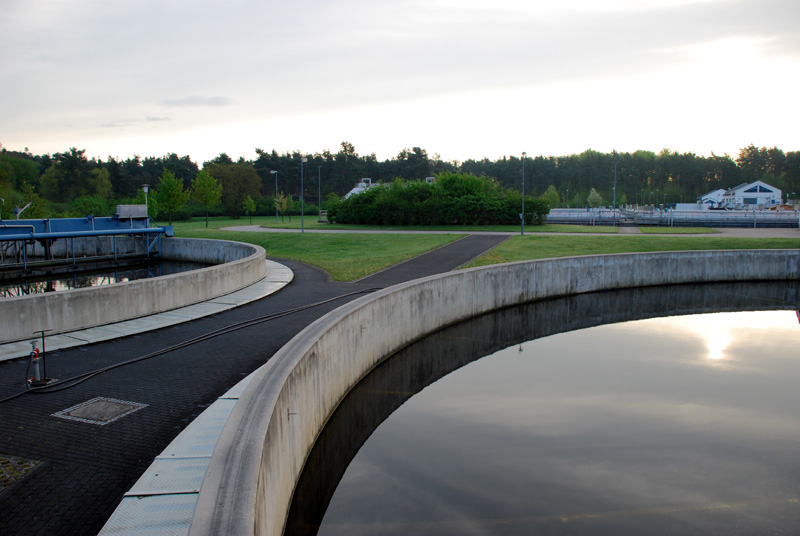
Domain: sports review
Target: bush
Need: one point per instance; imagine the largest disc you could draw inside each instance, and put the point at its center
(454, 199)
(90, 204)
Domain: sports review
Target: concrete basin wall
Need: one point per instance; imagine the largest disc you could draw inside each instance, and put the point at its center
(263, 447)
(237, 265)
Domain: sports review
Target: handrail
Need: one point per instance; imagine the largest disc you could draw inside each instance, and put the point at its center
(75, 234)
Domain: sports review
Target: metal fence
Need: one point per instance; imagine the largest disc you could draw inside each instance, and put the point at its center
(675, 218)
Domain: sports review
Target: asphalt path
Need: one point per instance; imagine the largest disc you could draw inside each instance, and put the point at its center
(66, 477)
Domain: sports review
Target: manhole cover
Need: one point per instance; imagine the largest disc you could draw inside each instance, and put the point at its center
(13, 469)
(99, 410)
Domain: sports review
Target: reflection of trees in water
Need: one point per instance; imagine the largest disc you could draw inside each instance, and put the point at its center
(92, 278)
(26, 289)
(82, 281)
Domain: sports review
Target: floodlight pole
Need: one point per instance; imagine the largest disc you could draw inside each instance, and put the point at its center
(522, 216)
(614, 201)
(275, 172)
(302, 209)
(146, 188)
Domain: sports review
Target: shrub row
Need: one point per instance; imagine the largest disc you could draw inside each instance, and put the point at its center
(452, 199)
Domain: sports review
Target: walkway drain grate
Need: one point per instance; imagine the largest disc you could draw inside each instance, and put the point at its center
(100, 411)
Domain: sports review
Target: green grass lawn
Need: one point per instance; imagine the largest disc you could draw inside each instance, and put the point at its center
(310, 223)
(345, 256)
(349, 256)
(520, 248)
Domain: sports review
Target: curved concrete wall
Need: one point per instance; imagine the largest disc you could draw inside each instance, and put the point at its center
(262, 450)
(237, 265)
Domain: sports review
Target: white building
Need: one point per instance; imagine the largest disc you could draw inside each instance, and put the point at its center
(711, 199)
(752, 196)
(362, 186)
(748, 196)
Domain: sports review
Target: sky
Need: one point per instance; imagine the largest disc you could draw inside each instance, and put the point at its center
(459, 78)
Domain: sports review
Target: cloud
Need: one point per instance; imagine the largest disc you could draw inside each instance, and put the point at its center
(123, 123)
(197, 101)
(277, 65)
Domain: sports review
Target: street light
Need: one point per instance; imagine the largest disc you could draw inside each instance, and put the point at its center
(522, 216)
(319, 190)
(146, 188)
(614, 197)
(275, 172)
(302, 209)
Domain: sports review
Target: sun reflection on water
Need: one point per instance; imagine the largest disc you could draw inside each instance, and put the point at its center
(722, 333)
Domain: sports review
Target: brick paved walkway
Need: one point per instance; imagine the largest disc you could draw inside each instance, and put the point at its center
(65, 477)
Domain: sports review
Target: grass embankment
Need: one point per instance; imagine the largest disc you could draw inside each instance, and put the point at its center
(345, 256)
(521, 248)
(349, 256)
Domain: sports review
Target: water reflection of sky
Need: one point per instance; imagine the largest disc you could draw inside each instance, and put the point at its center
(663, 426)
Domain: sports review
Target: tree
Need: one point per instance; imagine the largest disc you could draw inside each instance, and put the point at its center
(536, 210)
(51, 184)
(551, 196)
(89, 204)
(67, 177)
(37, 208)
(413, 164)
(16, 170)
(283, 202)
(99, 184)
(238, 181)
(170, 194)
(249, 207)
(206, 191)
(595, 199)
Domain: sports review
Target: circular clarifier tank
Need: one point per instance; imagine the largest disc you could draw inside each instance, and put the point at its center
(678, 424)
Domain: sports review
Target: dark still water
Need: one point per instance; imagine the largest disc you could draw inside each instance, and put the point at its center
(677, 425)
(91, 276)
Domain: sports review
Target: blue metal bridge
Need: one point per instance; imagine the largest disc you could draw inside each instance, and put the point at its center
(28, 243)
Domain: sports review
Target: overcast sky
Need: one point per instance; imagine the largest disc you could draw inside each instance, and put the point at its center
(459, 78)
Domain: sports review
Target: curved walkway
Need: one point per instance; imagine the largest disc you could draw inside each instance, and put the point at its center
(67, 476)
(278, 276)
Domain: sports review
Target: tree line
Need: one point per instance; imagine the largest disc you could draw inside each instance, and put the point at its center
(71, 184)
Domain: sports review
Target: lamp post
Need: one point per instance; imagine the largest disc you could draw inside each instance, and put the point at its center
(302, 209)
(275, 172)
(522, 216)
(614, 196)
(146, 188)
(319, 190)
